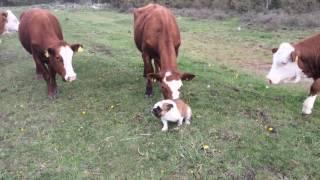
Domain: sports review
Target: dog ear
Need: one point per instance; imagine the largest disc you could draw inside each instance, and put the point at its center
(169, 106)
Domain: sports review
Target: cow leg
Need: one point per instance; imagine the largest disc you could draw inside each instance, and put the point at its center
(157, 64)
(45, 74)
(38, 72)
(147, 69)
(41, 68)
(309, 102)
(52, 84)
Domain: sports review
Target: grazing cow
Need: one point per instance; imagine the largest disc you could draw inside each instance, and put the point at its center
(8, 22)
(157, 36)
(40, 34)
(293, 61)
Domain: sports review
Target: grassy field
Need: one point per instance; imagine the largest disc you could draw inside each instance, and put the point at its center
(101, 126)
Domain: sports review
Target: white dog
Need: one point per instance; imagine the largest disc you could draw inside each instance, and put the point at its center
(173, 111)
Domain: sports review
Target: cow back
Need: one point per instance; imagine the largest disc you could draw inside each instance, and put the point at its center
(309, 54)
(38, 26)
(155, 27)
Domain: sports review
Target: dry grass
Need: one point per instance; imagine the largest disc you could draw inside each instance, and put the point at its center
(203, 13)
(279, 19)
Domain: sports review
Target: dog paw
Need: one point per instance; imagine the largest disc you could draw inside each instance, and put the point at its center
(176, 128)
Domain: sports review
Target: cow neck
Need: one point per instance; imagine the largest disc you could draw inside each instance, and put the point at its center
(310, 59)
(168, 59)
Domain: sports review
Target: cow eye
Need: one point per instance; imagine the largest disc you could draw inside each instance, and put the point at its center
(59, 59)
(284, 63)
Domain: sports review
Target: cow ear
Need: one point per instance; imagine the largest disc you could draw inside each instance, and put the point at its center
(77, 47)
(274, 50)
(4, 14)
(187, 76)
(155, 76)
(295, 56)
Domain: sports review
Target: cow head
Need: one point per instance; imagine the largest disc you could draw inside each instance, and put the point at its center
(12, 23)
(170, 82)
(60, 59)
(284, 66)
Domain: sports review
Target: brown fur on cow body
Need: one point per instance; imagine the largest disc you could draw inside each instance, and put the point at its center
(308, 54)
(157, 36)
(40, 33)
(3, 21)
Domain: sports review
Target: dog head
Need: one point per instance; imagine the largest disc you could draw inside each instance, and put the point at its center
(161, 108)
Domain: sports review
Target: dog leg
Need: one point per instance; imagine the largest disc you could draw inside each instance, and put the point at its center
(180, 122)
(188, 121)
(189, 116)
(165, 125)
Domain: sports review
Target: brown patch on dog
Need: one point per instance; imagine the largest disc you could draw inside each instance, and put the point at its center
(182, 107)
(165, 108)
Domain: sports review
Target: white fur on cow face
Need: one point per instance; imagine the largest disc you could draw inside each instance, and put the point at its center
(12, 24)
(66, 53)
(283, 68)
(174, 85)
(308, 104)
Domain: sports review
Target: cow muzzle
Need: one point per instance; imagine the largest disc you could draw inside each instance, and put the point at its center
(70, 78)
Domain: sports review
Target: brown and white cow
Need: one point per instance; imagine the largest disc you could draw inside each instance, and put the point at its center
(40, 34)
(8, 22)
(291, 62)
(157, 36)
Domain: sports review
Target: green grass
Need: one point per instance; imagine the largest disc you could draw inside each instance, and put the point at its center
(118, 138)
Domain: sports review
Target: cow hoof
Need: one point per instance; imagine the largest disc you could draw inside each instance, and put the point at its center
(54, 95)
